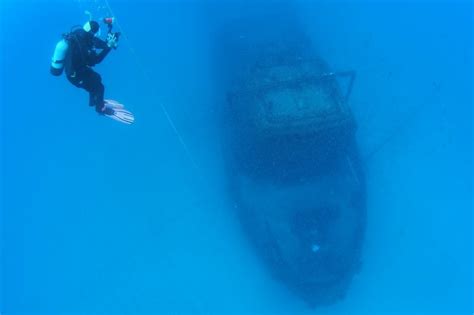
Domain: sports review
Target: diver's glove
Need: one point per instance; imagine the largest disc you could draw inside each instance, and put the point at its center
(112, 40)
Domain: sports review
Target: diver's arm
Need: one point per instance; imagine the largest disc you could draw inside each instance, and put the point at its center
(99, 43)
(97, 58)
(106, 46)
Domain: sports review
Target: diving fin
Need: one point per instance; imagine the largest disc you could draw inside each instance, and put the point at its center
(117, 112)
(113, 104)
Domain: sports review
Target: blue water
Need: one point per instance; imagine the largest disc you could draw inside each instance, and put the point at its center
(103, 218)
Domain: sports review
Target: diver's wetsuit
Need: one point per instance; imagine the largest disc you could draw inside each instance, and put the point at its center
(81, 58)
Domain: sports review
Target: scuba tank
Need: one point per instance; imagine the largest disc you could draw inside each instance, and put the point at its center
(60, 53)
(57, 62)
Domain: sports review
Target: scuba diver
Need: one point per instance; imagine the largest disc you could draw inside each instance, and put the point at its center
(77, 54)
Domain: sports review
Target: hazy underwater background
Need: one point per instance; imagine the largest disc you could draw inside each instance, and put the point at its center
(103, 218)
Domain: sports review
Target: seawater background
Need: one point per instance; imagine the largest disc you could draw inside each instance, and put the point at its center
(98, 217)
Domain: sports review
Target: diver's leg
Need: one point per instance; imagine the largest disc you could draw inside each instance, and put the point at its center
(98, 93)
(92, 82)
(83, 79)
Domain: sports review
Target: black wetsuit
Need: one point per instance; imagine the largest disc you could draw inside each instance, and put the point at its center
(78, 66)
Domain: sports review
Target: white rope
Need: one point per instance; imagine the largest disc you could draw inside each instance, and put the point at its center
(148, 78)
